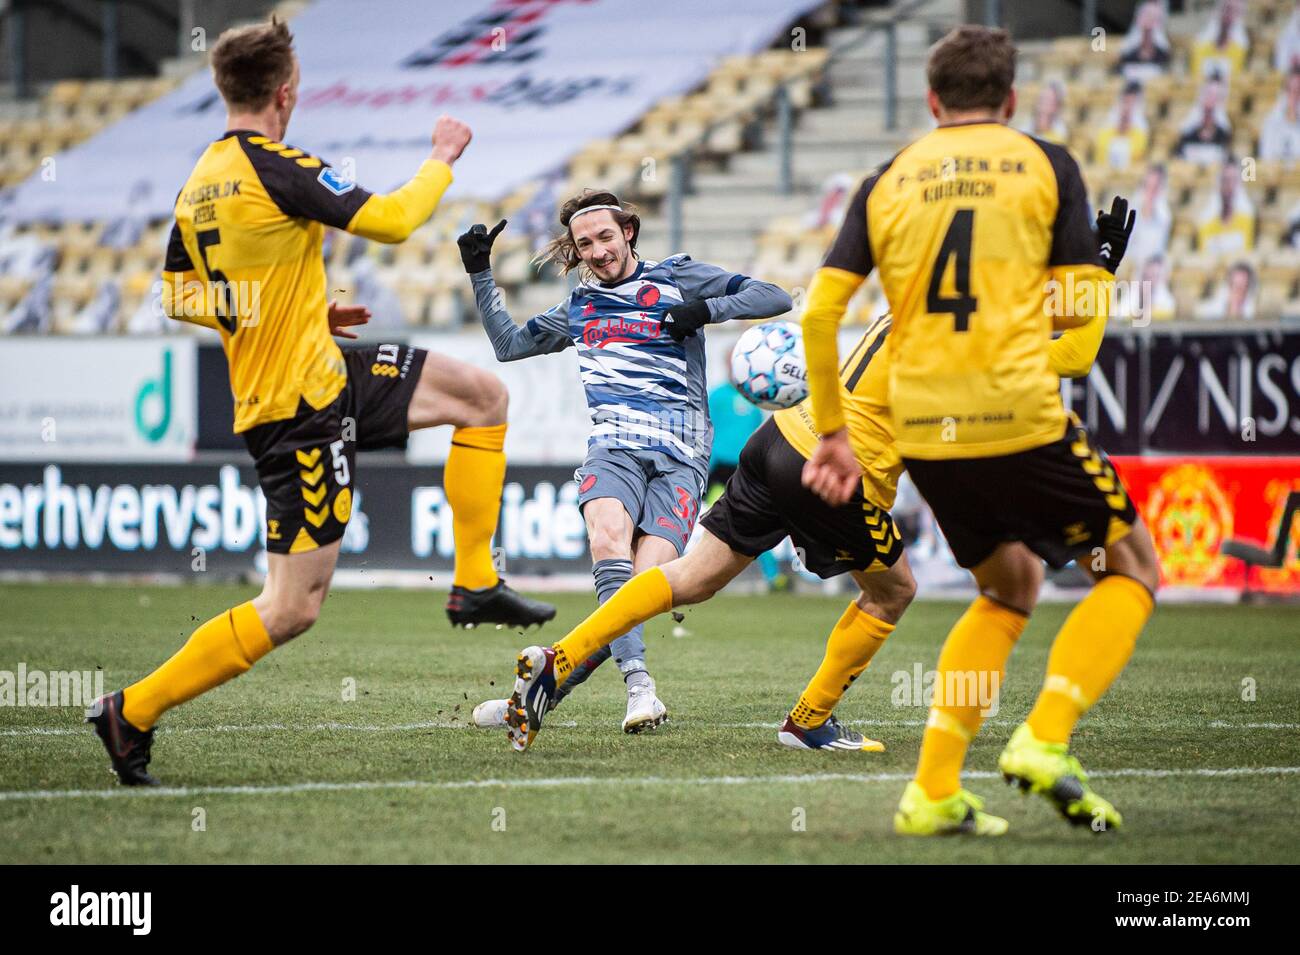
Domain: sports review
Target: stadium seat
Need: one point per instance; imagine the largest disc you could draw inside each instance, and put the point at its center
(715, 120)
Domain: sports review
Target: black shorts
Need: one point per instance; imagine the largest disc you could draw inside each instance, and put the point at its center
(1062, 500)
(306, 464)
(765, 501)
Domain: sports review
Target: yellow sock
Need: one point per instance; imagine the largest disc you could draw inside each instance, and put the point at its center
(644, 596)
(854, 641)
(475, 471)
(976, 650)
(224, 647)
(1092, 648)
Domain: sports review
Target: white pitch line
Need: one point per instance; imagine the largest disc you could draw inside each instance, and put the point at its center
(558, 782)
(1182, 724)
(271, 727)
(568, 724)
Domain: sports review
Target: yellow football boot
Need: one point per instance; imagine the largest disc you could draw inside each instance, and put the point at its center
(962, 813)
(1050, 771)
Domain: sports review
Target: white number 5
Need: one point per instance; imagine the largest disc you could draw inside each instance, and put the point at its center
(341, 474)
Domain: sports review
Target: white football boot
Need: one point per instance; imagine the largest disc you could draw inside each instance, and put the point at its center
(645, 711)
(490, 714)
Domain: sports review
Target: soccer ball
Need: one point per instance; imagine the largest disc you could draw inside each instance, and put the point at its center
(768, 365)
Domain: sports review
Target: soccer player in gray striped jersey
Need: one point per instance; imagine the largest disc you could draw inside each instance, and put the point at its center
(634, 324)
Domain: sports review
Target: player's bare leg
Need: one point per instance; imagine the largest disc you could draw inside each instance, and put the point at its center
(219, 650)
(703, 570)
(694, 578)
(860, 632)
(1089, 652)
(295, 588)
(474, 402)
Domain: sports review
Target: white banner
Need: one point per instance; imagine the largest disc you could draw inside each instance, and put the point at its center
(102, 400)
(535, 79)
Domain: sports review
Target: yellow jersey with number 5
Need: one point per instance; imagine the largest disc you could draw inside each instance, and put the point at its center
(245, 258)
(968, 227)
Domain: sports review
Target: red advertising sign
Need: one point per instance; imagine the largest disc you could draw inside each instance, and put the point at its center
(1193, 505)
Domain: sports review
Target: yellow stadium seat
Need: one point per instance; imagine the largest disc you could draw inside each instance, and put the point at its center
(65, 92)
(445, 309)
(13, 288)
(510, 264)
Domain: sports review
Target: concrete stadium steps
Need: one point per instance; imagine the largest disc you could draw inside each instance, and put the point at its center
(728, 209)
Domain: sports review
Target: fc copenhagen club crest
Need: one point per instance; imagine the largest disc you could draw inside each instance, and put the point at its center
(647, 295)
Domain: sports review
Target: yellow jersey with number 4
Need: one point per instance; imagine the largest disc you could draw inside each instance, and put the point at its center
(983, 241)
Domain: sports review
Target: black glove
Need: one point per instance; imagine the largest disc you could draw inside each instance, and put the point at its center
(476, 246)
(1113, 229)
(684, 320)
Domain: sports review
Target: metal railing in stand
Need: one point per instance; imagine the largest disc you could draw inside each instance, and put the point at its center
(677, 185)
(18, 51)
(781, 105)
(1089, 14)
(109, 26)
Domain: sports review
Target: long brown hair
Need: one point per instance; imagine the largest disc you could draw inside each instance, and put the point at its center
(563, 251)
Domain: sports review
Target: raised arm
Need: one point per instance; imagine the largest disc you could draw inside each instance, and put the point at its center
(844, 269)
(306, 187)
(1075, 262)
(711, 295)
(391, 217)
(1072, 354)
(833, 470)
(541, 335)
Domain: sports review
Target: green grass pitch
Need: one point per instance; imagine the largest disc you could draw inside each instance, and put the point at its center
(1201, 774)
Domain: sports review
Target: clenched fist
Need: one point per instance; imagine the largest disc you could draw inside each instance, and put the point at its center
(450, 137)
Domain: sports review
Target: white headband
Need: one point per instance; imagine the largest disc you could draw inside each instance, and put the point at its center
(586, 209)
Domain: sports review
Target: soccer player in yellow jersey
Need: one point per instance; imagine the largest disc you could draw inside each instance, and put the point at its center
(245, 259)
(764, 502)
(981, 238)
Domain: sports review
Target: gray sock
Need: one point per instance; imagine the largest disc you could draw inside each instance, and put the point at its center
(629, 649)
